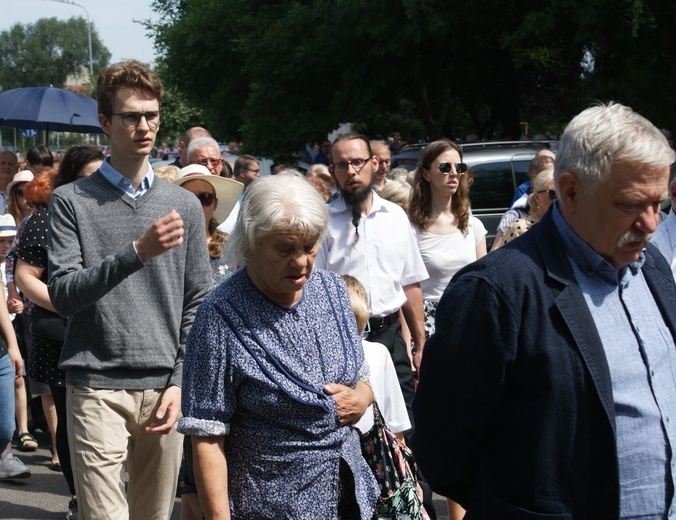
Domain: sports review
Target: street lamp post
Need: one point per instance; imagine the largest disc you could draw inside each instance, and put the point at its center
(89, 31)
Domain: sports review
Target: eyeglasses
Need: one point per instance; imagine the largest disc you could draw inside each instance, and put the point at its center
(254, 171)
(19, 193)
(552, 193)
(206, 198)
(205, 162)
(445, 167)
(132, 119)
(357, 164)
(386, 162)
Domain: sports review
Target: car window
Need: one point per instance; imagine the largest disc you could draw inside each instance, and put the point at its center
(493, 185)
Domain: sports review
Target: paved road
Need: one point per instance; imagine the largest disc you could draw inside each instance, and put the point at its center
(44, 495)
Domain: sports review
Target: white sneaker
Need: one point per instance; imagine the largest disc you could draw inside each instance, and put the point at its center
(12, 467)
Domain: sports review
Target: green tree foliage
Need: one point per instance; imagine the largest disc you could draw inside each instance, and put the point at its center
(279, 73)
(46, 52)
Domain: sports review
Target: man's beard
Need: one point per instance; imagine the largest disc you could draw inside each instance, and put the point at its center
(633, 236)
(354, 200)
(356, 197)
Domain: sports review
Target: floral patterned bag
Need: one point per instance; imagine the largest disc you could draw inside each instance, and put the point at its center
(393, 465)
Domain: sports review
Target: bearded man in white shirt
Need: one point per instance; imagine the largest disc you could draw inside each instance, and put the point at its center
(371, 239)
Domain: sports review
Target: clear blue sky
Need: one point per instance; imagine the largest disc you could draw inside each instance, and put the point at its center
(113, 19)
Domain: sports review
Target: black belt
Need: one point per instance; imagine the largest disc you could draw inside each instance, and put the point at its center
(378, 324)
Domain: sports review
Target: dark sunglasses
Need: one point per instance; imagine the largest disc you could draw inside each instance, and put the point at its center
(206, 198)
(446, 167)
(552, 193)
(19, 193)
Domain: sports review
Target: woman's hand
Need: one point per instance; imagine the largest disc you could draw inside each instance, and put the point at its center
(352, 402)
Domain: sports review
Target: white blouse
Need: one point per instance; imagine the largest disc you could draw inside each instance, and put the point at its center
(445, 255)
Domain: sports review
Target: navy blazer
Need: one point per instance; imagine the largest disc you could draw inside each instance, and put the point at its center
(514, 411)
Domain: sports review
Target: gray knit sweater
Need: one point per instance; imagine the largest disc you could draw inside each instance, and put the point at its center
(128, 322)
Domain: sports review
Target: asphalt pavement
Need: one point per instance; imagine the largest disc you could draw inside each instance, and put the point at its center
(44, 495)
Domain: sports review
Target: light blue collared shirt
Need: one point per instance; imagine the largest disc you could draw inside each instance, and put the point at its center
(642, 360)
(122, 183)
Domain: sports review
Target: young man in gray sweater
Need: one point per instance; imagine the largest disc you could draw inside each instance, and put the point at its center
(128, 266)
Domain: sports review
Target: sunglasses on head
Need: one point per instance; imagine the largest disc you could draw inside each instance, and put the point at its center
(206, 198)
(446, 167)
(552, 193)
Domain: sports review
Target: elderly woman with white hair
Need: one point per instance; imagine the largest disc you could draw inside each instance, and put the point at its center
(274, 372)
(539, 202)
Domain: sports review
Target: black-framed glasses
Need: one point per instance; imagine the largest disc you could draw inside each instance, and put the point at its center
(205, 162)
(357, 164)
(132, 119)
(206, 198)
(445, 167)
(552, 194)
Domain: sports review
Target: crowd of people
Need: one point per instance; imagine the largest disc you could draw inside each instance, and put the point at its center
(206, 328)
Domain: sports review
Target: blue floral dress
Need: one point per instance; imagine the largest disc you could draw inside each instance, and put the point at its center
(254, 371)
(220, 270)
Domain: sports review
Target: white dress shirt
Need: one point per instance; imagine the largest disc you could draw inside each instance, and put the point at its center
(665, 240)
(385, 386)
(384, 259)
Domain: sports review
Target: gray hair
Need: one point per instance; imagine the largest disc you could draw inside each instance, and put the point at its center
(603, 135)
(200, 142)
(275, 204)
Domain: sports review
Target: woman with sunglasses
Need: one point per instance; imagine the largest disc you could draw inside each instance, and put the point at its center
(218, 196)
(449, 238)
(539, 201)
(16, 202)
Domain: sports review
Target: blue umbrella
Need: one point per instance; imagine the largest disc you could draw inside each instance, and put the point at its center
(49, 108)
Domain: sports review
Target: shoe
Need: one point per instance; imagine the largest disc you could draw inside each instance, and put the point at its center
(12, 467)
(72, 509)
(27, 442)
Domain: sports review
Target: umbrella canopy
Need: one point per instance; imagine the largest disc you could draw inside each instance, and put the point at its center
(49, 108)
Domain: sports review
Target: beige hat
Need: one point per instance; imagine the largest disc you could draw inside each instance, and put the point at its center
(227, 191)
(22, 176)
(7, 225)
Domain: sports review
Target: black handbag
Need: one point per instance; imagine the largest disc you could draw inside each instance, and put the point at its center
(47, 324)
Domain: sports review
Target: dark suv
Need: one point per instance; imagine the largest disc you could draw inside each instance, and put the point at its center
(498, 168)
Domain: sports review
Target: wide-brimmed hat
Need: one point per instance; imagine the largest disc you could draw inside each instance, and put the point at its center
(7, 225)
(227, 190)
(22, 176)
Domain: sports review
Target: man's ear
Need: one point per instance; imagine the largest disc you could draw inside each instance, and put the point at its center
(569, 192)
(105, 123)
(333, 175)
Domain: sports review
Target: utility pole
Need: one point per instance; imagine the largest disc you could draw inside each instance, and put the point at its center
(89, 31)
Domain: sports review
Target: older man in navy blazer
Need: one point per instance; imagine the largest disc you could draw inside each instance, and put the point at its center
(549, 388)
